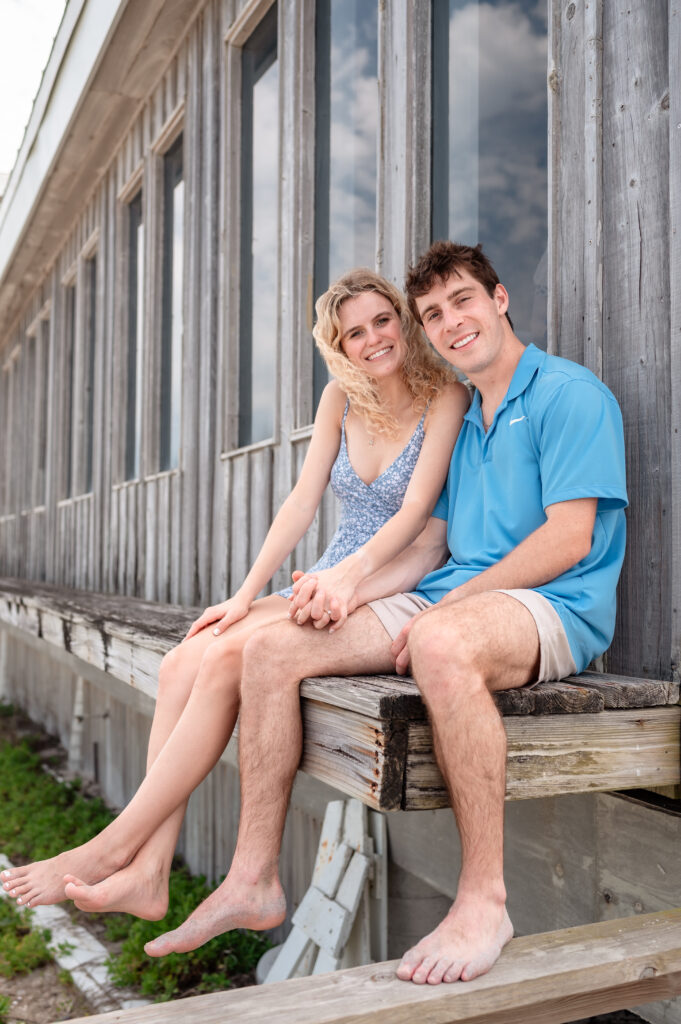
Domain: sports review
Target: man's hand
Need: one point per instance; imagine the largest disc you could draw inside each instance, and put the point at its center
(326, 598)
(399, 648)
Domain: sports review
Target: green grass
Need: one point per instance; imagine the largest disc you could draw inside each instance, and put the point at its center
(41, 817)
(22, 948)
(5, 1003)
(211, 968)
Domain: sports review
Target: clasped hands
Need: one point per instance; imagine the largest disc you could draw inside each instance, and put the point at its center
(325, 599)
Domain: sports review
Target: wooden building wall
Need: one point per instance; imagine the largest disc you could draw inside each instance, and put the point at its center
(188, 534)
(615, 131)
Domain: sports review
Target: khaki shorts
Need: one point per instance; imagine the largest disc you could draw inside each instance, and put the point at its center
(555, 657)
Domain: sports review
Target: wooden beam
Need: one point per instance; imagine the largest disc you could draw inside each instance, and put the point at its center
(369, 737)
(553, 754)
(540, 979)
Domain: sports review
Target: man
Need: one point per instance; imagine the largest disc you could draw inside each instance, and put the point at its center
(533, 519)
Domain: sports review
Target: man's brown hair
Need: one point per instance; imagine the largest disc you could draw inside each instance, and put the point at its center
(444, 259)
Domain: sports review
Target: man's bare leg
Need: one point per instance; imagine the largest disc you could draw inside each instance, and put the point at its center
(154, 816)
(460, 653)
(270, 748)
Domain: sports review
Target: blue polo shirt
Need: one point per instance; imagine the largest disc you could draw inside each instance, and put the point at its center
(556, 436)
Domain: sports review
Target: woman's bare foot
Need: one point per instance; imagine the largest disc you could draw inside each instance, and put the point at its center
(466, 944)
(132, 890)
(41, 883)
(234, 904)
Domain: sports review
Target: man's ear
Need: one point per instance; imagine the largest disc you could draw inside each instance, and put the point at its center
(501, 299)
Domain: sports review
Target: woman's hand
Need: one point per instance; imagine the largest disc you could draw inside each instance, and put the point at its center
(223, 615)
(326, 598)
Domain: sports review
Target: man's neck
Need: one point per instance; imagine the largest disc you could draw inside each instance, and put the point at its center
(494, 380)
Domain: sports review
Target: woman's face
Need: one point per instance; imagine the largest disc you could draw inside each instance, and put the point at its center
(371, 334)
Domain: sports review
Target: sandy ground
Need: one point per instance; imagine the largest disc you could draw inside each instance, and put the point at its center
(40, 998)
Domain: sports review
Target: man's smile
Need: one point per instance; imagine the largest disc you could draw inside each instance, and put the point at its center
(465, 341)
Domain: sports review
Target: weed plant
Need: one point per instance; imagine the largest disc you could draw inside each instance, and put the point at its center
(41, 817)
(22, 947)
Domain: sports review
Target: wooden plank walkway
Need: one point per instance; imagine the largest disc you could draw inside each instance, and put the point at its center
(540, 979)
(369, 736)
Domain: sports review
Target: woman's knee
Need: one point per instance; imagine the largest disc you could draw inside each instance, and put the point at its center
(175, 676)
(220, 667)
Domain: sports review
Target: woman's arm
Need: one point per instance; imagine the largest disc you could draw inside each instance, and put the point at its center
(294, 516)
(336, 588)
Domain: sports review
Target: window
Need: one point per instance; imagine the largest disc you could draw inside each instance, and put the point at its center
(346, 105)
(42, 383)
(69, 386)
(90, 347)
(489, 156)
(172, 317)
(259, 224)
(7, 412)
(133, 421)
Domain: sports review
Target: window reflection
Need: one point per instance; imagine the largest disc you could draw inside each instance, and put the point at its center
(490, 143)
(89, 361)
(133, 428)
(346, 105)
(260, 214)
(172, 324)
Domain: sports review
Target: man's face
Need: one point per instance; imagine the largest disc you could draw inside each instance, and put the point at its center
(465, 324)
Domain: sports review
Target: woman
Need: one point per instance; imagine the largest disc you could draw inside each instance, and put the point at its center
(383, 434)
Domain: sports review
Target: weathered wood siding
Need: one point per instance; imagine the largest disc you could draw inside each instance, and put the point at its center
(188, 534)
(614, 186)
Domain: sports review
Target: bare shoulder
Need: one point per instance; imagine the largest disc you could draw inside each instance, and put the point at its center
(449, 406)
(330, 409)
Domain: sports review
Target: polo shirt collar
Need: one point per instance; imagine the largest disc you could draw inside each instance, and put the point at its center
(530, 361)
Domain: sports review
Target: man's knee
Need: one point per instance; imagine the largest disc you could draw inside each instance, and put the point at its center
(269, 656)
(444, 645)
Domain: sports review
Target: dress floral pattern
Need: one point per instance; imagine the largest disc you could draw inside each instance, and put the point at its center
(365, 508)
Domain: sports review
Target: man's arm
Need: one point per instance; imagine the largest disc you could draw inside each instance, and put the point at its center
(429, 551)
(550, 550)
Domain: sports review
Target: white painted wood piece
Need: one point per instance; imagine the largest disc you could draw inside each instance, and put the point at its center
(334, 915)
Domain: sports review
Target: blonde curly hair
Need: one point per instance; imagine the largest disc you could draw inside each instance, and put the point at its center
(423, 373)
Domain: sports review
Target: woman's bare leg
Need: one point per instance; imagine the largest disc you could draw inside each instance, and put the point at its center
(180, 756)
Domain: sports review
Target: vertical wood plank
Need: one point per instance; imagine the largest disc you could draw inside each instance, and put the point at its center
(566, 165)
(593, 182)
(209, 217)
(675, 356)
(239, 522)
(194, 342)
(636, 295)
(260, 500)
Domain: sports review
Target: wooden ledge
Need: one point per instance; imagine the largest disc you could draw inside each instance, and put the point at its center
(368, 736)
(540, 979)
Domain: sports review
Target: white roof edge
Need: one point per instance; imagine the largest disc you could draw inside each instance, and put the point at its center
(77, 49)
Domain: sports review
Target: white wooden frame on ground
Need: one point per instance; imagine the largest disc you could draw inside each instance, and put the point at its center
(343, 917)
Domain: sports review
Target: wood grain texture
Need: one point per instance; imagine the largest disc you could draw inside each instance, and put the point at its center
(675, 322)
(368, 736)
(541, 978)
(636, 302)
(553, 754)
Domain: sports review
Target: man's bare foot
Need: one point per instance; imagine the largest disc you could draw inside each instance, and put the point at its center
(466, 944)
(41, 883)
(132, 890)
(234, 904)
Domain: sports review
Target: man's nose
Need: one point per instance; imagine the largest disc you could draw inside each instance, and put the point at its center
(453, 317)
